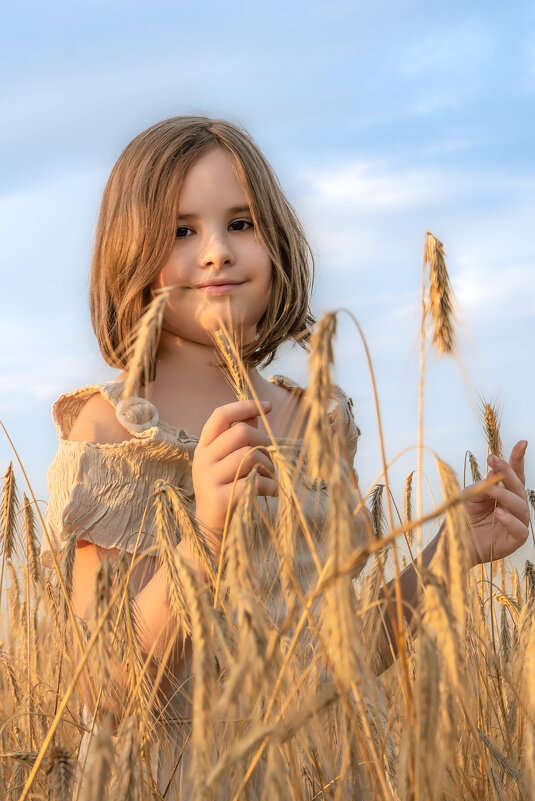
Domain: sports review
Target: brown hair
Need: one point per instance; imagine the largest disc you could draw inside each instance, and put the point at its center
(137, 228)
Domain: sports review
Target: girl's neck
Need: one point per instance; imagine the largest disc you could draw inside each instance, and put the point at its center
(179, 358)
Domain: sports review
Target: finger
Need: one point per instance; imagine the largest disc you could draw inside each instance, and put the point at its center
(223, 417)
(515, 528)
(243, 460)
(266, 486)
(516, 460)
(514, 503)
(508, 475)
(263, 486)
(238, 436)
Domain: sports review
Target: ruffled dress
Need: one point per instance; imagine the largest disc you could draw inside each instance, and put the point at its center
(99, 492)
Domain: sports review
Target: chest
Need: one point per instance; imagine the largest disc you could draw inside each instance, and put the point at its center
(191, 407)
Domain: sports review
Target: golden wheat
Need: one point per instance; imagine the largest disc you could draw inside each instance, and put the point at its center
(490, 417)
(440, 295)
(285, 699)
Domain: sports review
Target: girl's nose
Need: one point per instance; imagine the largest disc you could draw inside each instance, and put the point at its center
(216, 251)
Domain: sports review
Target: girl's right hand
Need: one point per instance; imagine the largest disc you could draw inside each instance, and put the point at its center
(217, 457)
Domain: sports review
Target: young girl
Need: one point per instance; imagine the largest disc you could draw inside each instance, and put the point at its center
(192, 203)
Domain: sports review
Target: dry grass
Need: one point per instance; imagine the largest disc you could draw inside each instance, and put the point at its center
(284, 697)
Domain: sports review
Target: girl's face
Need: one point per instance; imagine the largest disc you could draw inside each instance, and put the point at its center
(216, 240)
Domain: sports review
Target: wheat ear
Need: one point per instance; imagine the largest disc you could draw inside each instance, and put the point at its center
(99, 770)
(318, 433)
(490, 414)
(474, 468)
(128, 788)
(167, 539)
(377, 511)
(30, 533)
(8, 516)
(60, 770)
(204, 676)
(440, 295)
(228, 343)
(457, 534)
(142, 349)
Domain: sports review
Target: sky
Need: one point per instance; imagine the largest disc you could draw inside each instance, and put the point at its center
(382, 121)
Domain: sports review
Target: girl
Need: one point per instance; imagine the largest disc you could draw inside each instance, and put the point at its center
(192, 203)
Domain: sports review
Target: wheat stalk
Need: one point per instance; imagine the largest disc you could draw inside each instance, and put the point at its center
(60, 770)
(339, 612)
(8, 512)
(127, 636)
(128, 788)
(490, 418)
(228, 343)
(166, 540)
(457, 534)
(101, 600)
(100, 767)
(8, 517)
(142, 350)
(30, 533)
(531, 498)
(529, 575)
(286, 528)
(377, 510)
(10, 677)
(204, 676)
(474, 467)
(407, 505)
(317, 441)
(440, 295)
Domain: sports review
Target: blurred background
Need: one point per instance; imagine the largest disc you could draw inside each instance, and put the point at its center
(382, 121)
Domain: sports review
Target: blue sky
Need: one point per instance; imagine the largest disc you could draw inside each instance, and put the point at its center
(382, 121)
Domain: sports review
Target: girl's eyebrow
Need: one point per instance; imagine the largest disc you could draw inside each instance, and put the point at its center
(232, 210)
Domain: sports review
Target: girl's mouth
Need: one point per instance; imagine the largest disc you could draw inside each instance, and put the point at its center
(217, 289)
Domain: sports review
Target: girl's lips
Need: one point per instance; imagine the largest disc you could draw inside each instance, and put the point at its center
(214, 289)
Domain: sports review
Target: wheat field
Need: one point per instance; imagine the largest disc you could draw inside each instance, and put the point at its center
(312, 700)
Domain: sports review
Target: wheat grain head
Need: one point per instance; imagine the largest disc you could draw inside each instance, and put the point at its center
(440, 295)
(9, 512)
(490, 414)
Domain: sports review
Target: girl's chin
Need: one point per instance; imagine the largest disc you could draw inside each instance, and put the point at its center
(211, 318)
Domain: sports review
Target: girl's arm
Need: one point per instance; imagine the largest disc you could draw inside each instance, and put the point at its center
(499, 518)
(221, 450)
(157, 625)
(410, 599)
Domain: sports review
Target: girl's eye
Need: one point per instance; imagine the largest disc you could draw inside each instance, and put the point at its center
(239, 225)
(182, 232)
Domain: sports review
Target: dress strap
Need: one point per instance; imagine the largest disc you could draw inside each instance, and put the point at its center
(136, 414)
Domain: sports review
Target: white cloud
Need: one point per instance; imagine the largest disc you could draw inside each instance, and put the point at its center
(370, 187)
(502, 293)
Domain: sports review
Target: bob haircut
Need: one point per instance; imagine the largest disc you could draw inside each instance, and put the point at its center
(136, 231)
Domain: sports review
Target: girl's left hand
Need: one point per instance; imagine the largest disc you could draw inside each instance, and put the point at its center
(500, 514)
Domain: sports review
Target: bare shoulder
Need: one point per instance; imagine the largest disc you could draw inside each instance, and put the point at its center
(289, 414)
(97, 422)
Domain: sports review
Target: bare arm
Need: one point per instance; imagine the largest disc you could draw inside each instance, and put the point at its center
(157, 625)
(219, 455)
(410, 600)
(499, 525)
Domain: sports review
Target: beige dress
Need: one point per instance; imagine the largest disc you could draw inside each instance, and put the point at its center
(100, 491)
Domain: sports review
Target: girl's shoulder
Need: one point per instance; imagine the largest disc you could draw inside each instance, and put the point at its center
(340, 409)
(96, 414)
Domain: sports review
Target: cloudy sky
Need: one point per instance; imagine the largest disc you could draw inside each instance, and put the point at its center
(382, 120)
